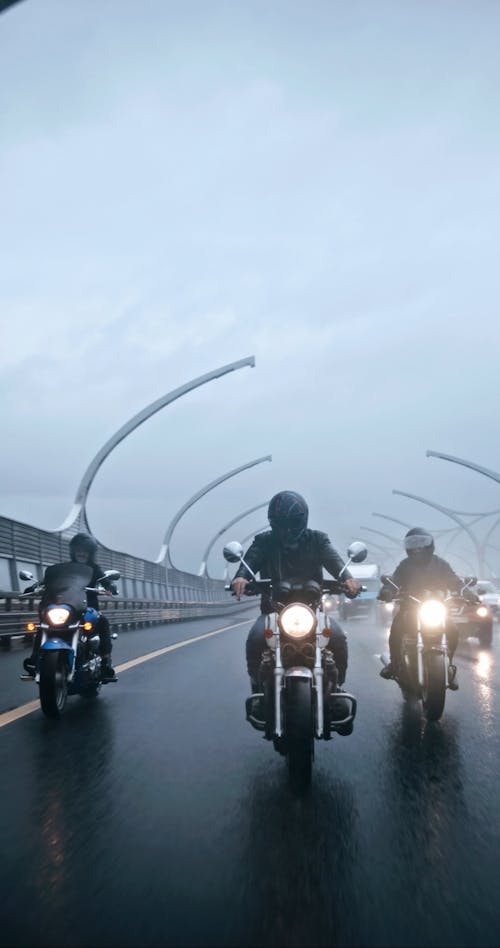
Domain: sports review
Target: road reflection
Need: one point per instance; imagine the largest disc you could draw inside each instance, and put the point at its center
(299, 860)
(72, 800)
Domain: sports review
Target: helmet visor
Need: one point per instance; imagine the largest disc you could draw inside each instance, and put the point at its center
(290, 529)
(419, 541)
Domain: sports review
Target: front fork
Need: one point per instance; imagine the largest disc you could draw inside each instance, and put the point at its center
(317, 678)
(436, 645)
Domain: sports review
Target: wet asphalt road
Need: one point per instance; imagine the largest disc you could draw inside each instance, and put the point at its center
(156, 816)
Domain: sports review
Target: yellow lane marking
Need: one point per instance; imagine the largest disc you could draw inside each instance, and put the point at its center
(9, 716)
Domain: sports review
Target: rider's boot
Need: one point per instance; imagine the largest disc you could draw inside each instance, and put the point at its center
(340, 708)
(29, 665)
(107, 671)
(388, 671)
(452, 675)
(257, 704)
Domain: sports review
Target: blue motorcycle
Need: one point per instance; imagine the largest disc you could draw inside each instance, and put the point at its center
(68, 660)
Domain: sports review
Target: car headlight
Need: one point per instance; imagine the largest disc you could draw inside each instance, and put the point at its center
(389, 606)
(328, 602)
(297, 621)
(58, 615)
(482, 611)
(432, 613)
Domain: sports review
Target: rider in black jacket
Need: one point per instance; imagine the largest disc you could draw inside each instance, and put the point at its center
(289, 551)
(83, 549)
(421, 570)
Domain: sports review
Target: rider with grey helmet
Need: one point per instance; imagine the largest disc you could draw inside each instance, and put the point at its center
(421, 570)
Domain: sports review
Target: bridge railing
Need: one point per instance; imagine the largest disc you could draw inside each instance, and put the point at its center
(23, 546)
(121, 613)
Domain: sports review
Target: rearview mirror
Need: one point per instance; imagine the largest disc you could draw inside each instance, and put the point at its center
(233, 552)
(357, 552)
(111, 574)
(23, 574)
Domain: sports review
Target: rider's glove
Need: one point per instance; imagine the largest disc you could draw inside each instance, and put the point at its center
(471, 596)
(385, 595)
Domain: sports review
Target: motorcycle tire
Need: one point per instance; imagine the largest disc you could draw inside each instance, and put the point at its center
(299, 732)
(53, 683)
(434, 689)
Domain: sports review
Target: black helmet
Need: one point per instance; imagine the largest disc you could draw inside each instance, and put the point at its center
(83, 541)
(419, 542)
(287, 514)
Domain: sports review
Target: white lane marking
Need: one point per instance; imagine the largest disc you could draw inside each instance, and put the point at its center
(8, 717)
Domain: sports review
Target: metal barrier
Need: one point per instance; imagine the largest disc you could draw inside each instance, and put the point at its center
(23, 546)
(121, 613)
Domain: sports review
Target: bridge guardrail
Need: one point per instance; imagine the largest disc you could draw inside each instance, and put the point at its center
(122, 613)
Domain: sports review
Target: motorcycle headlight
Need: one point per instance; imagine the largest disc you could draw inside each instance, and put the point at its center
(297, 621)
(58, 615)
(482, 611)
(432, 613)
(389, 606)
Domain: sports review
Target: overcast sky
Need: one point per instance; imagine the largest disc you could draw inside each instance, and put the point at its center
(188, 183)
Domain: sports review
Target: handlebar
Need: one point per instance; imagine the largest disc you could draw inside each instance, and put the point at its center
(256, 587)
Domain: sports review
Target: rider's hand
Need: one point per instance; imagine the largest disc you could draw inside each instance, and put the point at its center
(238, 586)
(385, 595)
(352, 587)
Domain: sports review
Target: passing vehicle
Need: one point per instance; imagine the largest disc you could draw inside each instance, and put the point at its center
(424, 670)
(299, 700)
(489, 596)
(473, 620)
(68, 659)
(365, 603)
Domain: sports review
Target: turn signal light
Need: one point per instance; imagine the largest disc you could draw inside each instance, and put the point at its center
(87, 626)
(30, 626)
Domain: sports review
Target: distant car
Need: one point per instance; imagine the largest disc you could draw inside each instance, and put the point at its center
(474, 619)
(489, 595)
(365, 603)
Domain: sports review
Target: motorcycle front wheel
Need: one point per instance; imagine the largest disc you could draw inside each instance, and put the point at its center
(434, 689)
(299, 732)
(53, 683)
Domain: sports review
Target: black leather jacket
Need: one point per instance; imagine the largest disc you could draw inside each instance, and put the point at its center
(271, 560)
(414, 577)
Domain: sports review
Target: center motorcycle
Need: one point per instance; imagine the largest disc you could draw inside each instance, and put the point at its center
(298, 676)
(68, 659)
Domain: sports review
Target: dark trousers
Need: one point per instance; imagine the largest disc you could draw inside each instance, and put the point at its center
(104, 633)
(256, 643)
(400, 621)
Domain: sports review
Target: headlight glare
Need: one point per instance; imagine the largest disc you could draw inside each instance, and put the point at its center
(58, 615)
(432, 613)
(297, 621)
(482, 612)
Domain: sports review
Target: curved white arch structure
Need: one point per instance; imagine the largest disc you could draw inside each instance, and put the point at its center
(203, 571)
(164, 555)
(77, 517)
